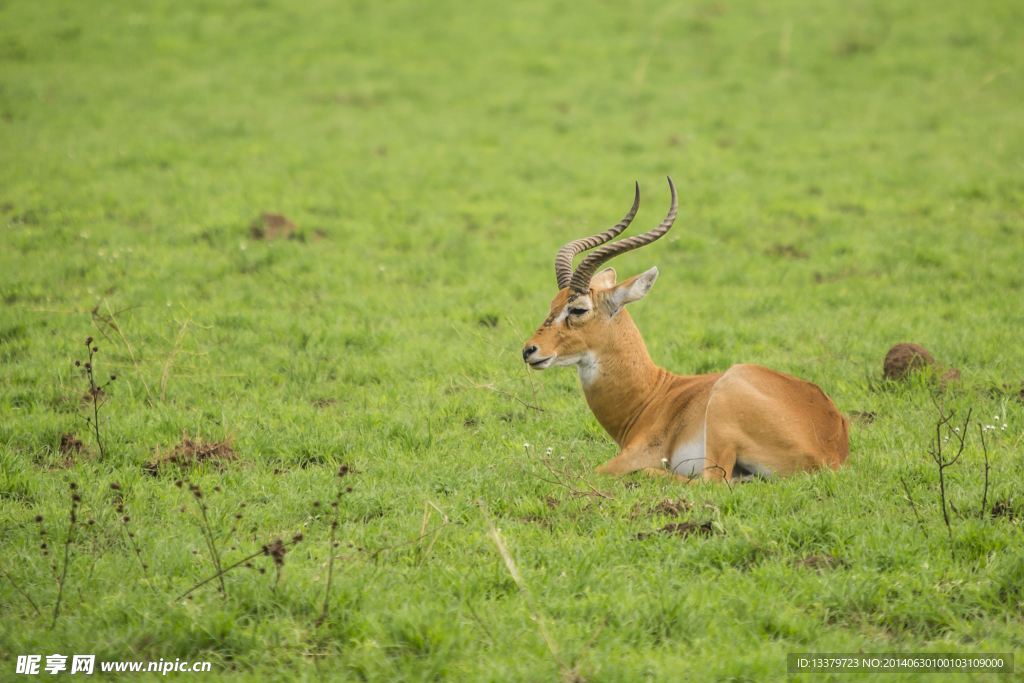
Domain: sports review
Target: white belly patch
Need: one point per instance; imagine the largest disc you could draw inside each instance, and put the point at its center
(688, 458)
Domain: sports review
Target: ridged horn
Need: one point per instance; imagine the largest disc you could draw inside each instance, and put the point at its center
(563, 262)
(580, 281)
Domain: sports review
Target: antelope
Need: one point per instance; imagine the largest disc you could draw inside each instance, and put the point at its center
(743, 423)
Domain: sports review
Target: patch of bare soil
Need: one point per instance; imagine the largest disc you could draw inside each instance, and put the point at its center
(191, 452)
(667, 507)
(68, 449)
(271, 225)
(682, 529)
(536, 519)
(787, 250)
(817, 562)
(1003, 508)
(552, 503)
(323, 402)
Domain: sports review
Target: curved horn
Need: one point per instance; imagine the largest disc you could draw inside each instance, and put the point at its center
(580, 281)
(563, 262)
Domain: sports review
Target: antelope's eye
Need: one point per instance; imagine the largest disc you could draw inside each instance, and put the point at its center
(577, 311)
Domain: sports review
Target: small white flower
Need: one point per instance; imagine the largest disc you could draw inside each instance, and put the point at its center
(957, 429)
(243, 246)
(1004, 426)
(168, 304)
(525, 445)
(996, 417)
(549, 450)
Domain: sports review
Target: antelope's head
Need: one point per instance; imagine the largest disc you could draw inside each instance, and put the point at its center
(584, 316)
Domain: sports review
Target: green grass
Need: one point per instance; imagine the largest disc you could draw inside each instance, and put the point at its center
(435, 157)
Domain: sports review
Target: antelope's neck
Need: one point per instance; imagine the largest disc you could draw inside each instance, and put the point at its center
(620, 380)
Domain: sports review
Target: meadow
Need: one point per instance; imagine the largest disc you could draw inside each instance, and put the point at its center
(851, 176)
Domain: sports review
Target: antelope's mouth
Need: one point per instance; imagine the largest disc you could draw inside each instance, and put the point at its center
(540, 364)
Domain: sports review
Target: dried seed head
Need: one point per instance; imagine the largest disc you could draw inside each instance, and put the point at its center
(95, 349)
(115, 486)
(182, 508)
(88, 366)
(145, 566)
(348, 489)
(42, 532)
(216, 488)
(316, 504)
(88, 340)
(75, 498)
(337, 543)
(131, 535)
(91, 522)
(197, 493)
(334, 504)
(194, 551)
(262, 570)
(113, 377)
(39, 518)
(242, 505)
(296, 538)
(43, 546)
(126, 519)
(232, 548)
(78, 363)
(238, 516)
(72, 486)
(178, 483)
(343, 470)
(120, 508)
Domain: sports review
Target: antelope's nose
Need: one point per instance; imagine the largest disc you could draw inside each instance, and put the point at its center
(529, 351)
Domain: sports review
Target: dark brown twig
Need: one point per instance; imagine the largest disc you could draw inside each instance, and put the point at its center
(942, 461)
(342, 473)
(265, 550)
(27, 596)
(67, 551)
(984, 447)
(569, 476)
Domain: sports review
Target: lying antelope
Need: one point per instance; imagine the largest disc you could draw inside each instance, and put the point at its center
(746, 421)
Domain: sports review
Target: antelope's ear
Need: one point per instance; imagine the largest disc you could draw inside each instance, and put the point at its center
(603, 280)
(633, 289)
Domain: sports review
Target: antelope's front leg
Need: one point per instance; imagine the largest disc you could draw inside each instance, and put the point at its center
(639, 455)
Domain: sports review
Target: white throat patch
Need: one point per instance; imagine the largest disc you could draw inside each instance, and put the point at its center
(588, 369)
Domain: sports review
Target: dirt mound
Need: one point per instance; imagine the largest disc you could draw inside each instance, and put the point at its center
(904, 359)
(271, 225)
(70, 444)
(191, 452)
(817, 562)
(683, 529)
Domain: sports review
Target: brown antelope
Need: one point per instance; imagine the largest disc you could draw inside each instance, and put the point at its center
(746, 421)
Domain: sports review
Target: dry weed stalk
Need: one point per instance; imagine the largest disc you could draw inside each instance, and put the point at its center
(513, 571)
(95, 391)
(20, 590)
(170, 358)
(125, 519)
(336, 505)
(942, 460)
(564, 478)
(62, 579)
(112, 323)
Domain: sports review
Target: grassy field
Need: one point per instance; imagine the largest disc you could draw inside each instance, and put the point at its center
(851, 176)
